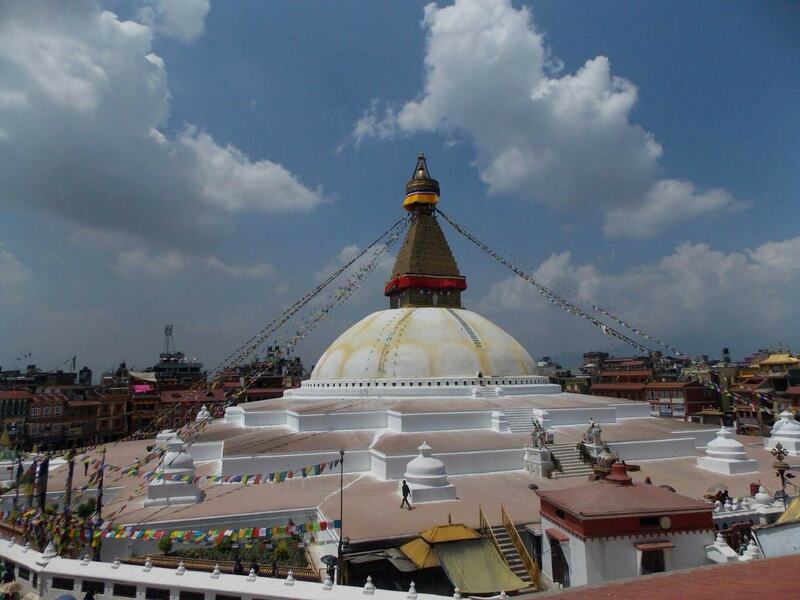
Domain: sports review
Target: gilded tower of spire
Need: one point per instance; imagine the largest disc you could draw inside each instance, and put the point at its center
(425, 272)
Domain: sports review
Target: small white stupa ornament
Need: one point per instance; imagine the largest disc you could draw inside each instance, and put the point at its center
(726, 455)
(786, 432)
(173, 482)
(203, 415)
(427, 478)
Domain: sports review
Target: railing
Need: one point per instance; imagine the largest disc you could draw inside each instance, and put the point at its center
(487, 532)
(527, 561)
(225, 566)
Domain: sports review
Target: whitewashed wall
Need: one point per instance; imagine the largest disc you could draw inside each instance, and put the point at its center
(605, 559)
(337, 421)
(263, 418)
(237, 586)
(456, 463)
(439, 421)
(648, 449)
(356, 461)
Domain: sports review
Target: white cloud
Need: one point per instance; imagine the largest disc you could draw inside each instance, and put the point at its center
(669, 202)
(83, 105)
(183, 19)
(565, 141)
(228, 179)
(694, 295)
(14, 276)
(138, 263)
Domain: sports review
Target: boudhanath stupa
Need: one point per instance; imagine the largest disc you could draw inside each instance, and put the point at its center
(425, 390)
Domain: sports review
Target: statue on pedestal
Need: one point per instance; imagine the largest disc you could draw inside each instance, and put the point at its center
(538, 435)
(594, 433)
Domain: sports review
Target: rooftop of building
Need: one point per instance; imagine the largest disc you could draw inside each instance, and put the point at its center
(766, 578)
(618, 495)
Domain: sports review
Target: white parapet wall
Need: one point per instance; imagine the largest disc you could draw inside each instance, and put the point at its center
(336, 421)
(632, 410)
(356, 461)
(201, 451)
(581, 416)
(55, 576)
(264, 418)
(457, 463)
(439, 421)
(650, 449)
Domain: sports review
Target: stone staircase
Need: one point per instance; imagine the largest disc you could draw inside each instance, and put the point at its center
(511, 556)
(519, 419)
(571, 463)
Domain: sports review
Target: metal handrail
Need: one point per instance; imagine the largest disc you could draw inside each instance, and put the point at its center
(527, 561)
(486, 529)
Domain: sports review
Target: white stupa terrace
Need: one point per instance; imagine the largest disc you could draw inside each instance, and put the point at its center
(424, 380)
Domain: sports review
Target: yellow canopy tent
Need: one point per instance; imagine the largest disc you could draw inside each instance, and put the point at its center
(420, 553)
(470, 562)
(792, 512)
(449, 533)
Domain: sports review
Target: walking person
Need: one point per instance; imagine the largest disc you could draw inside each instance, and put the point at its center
(406, 493)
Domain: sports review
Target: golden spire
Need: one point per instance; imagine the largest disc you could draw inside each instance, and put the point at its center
(422, 191)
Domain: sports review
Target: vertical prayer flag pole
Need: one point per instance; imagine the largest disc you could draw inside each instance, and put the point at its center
(19, 478)
(68, 492)
(100, 486)
(34, 468)
(340, 566)
(99, 509)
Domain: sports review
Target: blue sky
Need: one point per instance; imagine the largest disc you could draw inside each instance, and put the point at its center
(203, 164)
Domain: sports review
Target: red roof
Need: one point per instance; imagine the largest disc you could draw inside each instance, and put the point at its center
(601, 498)
(627, 373)
(672, 385)
(765, 578)
(617, 386)
(199, 396)
(15, 394)
(49, 398)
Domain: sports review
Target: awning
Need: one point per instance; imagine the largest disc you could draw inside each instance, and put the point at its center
(654, 546)
(475, 567)
(557, 534)
(420, 553)
(448, 533)
(792, 512)
(143, 376)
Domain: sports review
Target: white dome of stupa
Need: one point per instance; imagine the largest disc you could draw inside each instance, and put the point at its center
(426, 342)
(203, 414)
(176, 460)
(725, 446)
(426, 470)
(787, 426)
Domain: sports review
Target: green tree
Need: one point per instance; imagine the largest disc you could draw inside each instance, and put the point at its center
(165, 545)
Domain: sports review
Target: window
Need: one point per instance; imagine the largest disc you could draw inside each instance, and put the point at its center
(23, 573)
(63, 583)
(192, 595)
(652, 562)
(226, 597)
(98, 587)
(56, 427)
(124, 590)
(35, 411)
(47, 410)
(156, 593)
(57, 410)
